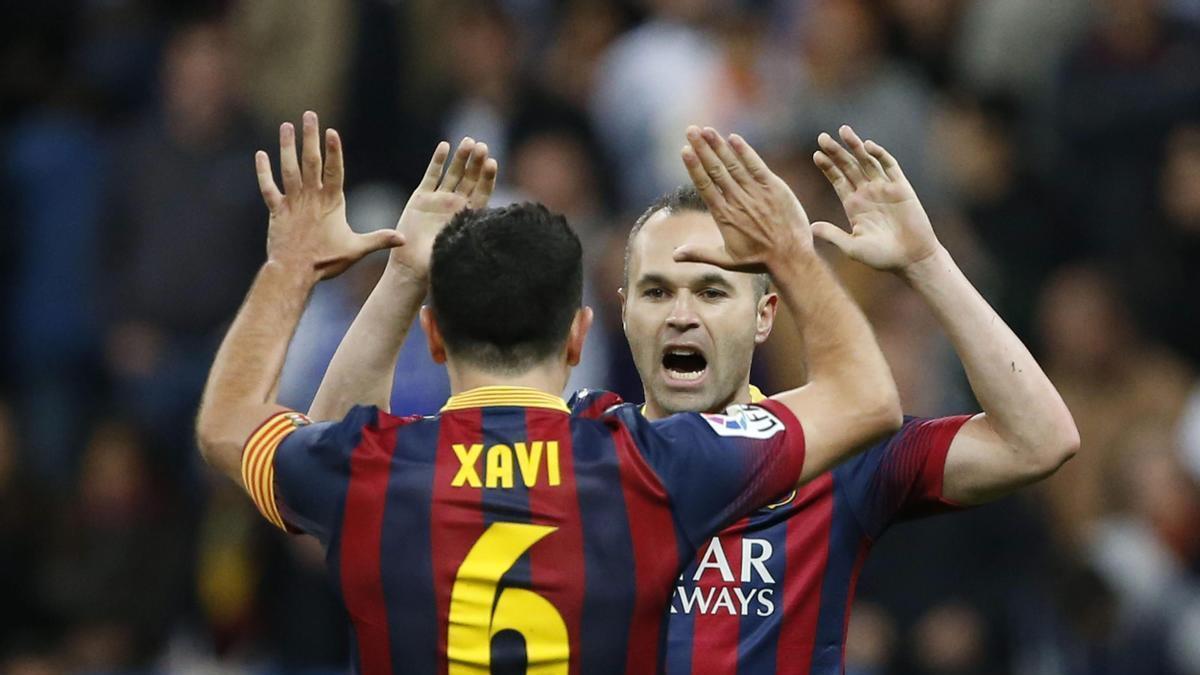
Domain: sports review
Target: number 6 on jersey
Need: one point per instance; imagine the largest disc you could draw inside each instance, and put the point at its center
(474, 622)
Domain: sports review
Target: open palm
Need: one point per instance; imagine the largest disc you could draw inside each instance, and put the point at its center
(307, 229)
(467, 183)
(889, 228)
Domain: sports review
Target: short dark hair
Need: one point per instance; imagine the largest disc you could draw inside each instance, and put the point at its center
(682, 198)
(506, 283)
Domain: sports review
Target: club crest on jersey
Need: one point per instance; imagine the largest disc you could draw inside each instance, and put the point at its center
(744, 421)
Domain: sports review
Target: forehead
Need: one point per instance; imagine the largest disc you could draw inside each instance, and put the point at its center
(652, 250)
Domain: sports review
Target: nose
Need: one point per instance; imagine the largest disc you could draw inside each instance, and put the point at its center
(683, 315)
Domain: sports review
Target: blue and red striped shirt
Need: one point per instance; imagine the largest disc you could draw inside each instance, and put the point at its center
(508, 532)
(772, 592)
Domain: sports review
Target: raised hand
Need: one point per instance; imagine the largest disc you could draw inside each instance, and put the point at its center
(467, 183)
(307, 231)
(760, 218)
(889, 228)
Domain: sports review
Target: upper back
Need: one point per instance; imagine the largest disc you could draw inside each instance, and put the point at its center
(505, 528)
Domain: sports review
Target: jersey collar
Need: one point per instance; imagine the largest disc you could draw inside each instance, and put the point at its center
(523, 397)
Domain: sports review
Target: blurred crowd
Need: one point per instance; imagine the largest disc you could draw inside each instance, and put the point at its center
(1056, 145)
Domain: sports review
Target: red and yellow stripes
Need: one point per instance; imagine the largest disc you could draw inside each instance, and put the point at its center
(258, 462)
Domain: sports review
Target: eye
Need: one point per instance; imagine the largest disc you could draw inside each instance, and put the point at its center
(713, 294)
(654, 293)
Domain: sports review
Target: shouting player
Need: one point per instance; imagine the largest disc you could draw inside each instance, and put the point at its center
(772, 593)
(505, 532)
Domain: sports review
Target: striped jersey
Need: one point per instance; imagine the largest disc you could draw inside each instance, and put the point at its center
(507, 532)
(772, 593)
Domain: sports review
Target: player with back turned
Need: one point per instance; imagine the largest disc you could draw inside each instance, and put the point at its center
(772, 593)
(506, 532)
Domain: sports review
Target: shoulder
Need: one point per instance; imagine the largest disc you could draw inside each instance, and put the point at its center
(594, 403)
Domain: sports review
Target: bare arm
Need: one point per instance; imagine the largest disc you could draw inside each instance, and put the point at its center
(362, 369)
(308, 240)
(1025, 432)
(850, 397)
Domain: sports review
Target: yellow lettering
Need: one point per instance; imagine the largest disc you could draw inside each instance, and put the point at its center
(499, 470)
(552, 462)
(529, 460)
(466, 470)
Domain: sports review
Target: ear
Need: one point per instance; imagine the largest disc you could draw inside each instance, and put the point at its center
(433, 335)
(621, 293)
(575, 338)
(768, 304)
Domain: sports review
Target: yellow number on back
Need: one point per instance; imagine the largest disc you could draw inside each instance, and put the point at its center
(473, 623)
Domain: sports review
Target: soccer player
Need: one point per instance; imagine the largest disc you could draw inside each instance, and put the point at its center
(772, 593)
(506, 532)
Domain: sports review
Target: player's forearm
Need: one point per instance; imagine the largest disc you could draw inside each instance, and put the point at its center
(362, 369)
(1021, 403)
(248, 364)
(843, 356)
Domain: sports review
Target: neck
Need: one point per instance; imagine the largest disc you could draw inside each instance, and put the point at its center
(545, 378)
(653, 410)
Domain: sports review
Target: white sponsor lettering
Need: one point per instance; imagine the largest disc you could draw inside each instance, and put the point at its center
(714, 558)
(714, 600)
(757, 562)
(712, 587)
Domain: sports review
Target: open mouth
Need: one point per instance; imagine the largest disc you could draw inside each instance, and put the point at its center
(684, 363)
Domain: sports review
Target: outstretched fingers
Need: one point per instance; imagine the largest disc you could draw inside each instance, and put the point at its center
(311, 152)
(869, 165)
(473, 170)
(487, 185)
(289, 166)
(841, 185)
(266, 182)
(732, 162)
(458, 165)
(704, 184)
(890, 166)
(433, 172)
(843, 159)
(711, 163)
(335, 168)
(754, 164)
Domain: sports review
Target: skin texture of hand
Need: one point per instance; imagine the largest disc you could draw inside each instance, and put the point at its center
(307, 231)
(467, 183)
(889, 228)
(761, 220)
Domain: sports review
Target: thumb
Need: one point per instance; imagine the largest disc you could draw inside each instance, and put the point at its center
(835, 235)
(714, 255)
(376, 241)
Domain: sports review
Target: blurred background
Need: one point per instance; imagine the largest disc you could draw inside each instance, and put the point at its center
(1056, 145)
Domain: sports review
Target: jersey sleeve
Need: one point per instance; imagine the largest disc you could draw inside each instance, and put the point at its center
(901, 477)
(296, 470)
(717, 468)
